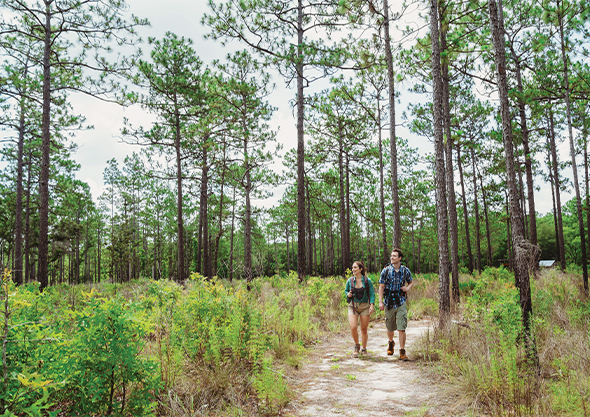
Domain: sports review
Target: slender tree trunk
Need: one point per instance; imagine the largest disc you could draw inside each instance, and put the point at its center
(452, 203)
(465, 212)
(441, 197)
(309, 245)
(485, 211)
(476, 208)
(18, 232)
(231, 242)
(247, 221)
(179, 220)
(300, 149)
(204, 211)
(347, 263)
(382, 187)
(555, 165)
(397, 231)
(344, 241)
(587, 178)
(523, 250)
(552, 182)
(527, 161)
(28, 276)
(573, 151)
(45, 150)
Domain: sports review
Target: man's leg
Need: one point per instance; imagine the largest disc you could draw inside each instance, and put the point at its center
(390, 335)
(402, 339)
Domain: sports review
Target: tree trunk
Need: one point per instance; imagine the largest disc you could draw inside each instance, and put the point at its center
(381, 188)
(476, 208)
(231, 242)
(465, 212)
(247, 222)
(18, 232)
(28, 276)
(555, 224)
(573, 153)
(555, 165)
(45, 150)
(204, 210)
(527, 158)
(523, 251)
(397, 231)
(300, 149)
(450, 173)
(180, 239)
(485, 211)
(344, 236)
(441, 197)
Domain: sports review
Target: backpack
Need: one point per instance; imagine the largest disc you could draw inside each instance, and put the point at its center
(365, 285)
(396, 297)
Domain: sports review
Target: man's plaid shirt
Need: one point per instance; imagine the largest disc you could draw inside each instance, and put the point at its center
(393, 281)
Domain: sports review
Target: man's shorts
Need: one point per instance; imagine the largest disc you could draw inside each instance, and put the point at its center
(362, 309)
(396, 318)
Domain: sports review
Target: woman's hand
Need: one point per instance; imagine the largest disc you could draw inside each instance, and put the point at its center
(372, 309)
(350, 294)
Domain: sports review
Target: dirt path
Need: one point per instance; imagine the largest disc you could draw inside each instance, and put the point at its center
(333, 383)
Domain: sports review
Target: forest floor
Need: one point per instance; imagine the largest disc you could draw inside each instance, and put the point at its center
(333, 383)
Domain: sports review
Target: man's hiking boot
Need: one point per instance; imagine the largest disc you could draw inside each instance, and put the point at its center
(357, 348)
(390, 348)
(402, 355)
(363, 351)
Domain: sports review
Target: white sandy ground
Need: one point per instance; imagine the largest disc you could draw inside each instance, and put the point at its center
(333, 383)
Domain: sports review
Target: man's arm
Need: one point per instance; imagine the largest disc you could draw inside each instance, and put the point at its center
(381, 305)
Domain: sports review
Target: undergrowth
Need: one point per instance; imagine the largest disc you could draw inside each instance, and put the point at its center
(160, 348)
(482, 355)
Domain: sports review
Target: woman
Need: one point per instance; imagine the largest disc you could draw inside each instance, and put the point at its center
(361, 302)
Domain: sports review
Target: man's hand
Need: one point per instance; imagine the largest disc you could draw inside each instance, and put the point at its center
(405, 288)
(381, 305)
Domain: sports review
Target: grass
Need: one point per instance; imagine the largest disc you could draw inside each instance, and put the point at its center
(484, 359)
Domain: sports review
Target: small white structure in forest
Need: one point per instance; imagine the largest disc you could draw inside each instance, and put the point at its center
(548, 263)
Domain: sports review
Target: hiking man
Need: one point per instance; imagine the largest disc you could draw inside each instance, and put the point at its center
(395, 282)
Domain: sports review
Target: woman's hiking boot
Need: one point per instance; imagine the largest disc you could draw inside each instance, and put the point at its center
(363, 351)
(357, 348)
(390, 348)
(402, 355)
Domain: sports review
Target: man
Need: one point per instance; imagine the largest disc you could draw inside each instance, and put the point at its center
(395, 282)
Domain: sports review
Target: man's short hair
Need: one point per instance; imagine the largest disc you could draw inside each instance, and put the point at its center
(399, 252)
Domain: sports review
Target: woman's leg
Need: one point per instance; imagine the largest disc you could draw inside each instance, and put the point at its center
(364, 328)
(353, 321)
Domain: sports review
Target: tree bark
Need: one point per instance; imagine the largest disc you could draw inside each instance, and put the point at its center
(573, 153)
(45, 150)
(465, 212)
(476, 209)
(300, 149)
(381, 188)
(555, 165)
(441, 198)
(523, 250)
(452, 203)
(397, 231)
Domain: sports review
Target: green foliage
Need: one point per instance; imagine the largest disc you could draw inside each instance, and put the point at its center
(271, 387)
(107, 373)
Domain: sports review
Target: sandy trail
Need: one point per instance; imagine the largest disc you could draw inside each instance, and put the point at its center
(333, 383)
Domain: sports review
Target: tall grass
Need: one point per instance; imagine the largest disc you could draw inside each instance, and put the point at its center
(483, 357)
(160, 348)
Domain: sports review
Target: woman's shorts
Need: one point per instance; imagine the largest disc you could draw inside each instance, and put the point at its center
(362, 309)
(396, 318)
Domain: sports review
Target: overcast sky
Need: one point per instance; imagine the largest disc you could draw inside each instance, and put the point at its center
(183, 17)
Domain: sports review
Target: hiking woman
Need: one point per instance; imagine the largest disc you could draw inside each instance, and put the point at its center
(361, 303)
